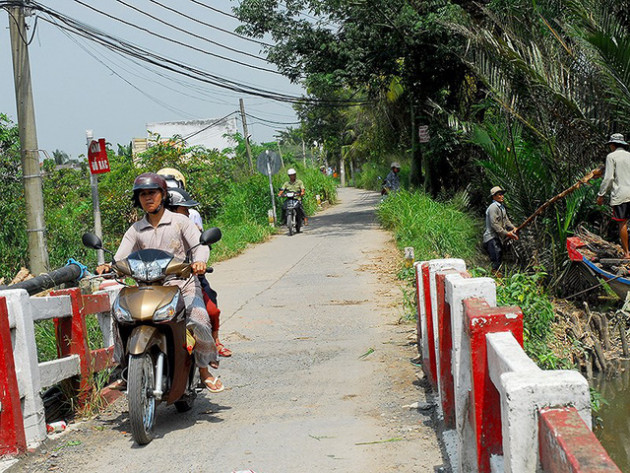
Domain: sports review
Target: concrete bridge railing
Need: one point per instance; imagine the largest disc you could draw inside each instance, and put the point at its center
(23, 377)
(500, 411)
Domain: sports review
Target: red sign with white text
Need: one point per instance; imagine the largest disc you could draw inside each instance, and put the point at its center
(97, 157)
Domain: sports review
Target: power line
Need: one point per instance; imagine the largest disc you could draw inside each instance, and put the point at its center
(209, 126)
(128, 49)
(203, 38)
(172, 40)
(271, 121)
(150, 97)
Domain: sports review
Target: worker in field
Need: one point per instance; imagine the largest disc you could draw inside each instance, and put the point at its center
(499, 229)
(617, 177)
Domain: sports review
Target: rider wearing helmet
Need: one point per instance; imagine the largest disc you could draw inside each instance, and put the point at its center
(392, 181)
(175, 233)
(294, 185)
(181, 202)
(175, 179)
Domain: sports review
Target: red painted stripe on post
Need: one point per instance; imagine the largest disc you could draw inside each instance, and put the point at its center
(445, 348)
(72, 339)
(102, 358)
(428, 359)
(95, 303)
(12, 435)
(482, 319)
(567, 445)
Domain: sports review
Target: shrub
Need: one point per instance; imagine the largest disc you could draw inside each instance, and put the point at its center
(433, 229)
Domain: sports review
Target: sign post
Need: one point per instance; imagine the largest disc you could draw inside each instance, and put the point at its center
(268, 163)
(99, 164)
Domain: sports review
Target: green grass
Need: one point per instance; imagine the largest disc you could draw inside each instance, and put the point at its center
(433, 229)
(47, 343)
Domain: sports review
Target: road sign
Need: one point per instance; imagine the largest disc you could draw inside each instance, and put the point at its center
(423, 134)
(268, 163)
(97, 157)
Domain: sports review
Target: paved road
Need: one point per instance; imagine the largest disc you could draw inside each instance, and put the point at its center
(298, 312)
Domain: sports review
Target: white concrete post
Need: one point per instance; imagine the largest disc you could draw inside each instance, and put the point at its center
(524, 390)
(435, 266)
(26, 365)
(423, 343)
(105, 319)
(457, 289)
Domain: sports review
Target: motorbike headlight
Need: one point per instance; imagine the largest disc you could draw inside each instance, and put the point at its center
(120, 313)
(168, 311)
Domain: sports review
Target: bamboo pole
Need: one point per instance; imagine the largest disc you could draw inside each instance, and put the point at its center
(591, 175)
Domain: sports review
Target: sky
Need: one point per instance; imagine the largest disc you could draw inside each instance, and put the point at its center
(79, 85)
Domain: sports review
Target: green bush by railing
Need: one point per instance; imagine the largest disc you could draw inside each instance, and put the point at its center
(433, 229)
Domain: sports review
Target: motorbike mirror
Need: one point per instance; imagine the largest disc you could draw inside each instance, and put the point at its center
(210, 236)
(92, 241)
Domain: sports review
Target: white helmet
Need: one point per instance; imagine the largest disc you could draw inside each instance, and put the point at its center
(291, 171)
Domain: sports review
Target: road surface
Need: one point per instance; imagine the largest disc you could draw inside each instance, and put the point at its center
(320, 377)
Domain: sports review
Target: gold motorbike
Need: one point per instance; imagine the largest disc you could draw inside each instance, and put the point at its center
(152, 343)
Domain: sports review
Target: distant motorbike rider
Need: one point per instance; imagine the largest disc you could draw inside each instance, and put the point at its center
(163, 229)
(293, 185)
(392, 181)
(181, 202)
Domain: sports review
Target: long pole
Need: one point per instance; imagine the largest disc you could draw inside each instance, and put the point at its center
(96, 205)
(595, 173)
(246, 133)
(273, 196)
(33, 196)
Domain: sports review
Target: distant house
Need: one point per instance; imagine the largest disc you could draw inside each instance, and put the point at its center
(209, 133)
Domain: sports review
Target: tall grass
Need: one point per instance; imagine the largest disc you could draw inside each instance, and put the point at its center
(433, 229)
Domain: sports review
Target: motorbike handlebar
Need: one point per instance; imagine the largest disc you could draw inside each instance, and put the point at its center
(209, 269)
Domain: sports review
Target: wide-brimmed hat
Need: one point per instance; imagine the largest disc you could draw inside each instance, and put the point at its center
(617, 139)
(496, 190)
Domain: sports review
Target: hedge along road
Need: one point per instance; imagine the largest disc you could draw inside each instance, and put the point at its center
(319, 377)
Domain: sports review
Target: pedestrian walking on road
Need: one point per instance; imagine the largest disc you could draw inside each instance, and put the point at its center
(498, 229)
(617, 177)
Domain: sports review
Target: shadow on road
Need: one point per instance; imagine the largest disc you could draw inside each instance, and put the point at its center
(168, 420)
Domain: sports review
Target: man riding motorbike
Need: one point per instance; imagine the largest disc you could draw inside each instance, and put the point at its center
(293, 185)
(175, 233)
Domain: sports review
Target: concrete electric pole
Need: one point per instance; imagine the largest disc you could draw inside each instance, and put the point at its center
(33, 196)
(245, 132)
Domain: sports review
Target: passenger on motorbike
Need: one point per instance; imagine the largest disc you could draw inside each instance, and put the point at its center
(293, 185)
(181, 202)
(175, 233)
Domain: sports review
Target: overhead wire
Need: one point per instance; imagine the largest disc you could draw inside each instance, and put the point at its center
(185, 31)
(271, 121)
(149, 96)
(209, 126)
(141, 54)
(210, 25)
(172, 40)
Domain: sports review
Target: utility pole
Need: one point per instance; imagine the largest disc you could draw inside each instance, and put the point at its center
(33, 196)
(96, 206)
(246, 133)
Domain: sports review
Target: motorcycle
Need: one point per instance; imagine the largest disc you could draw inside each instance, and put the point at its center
(150, 319)
(293, 212)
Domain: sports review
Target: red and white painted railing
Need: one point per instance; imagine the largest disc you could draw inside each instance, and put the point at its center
(501, 412)
(22, 377)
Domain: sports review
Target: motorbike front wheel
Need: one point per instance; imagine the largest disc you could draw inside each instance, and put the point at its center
(140, 386)
(290, 221)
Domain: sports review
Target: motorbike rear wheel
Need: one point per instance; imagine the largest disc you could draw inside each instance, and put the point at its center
(140, 387)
